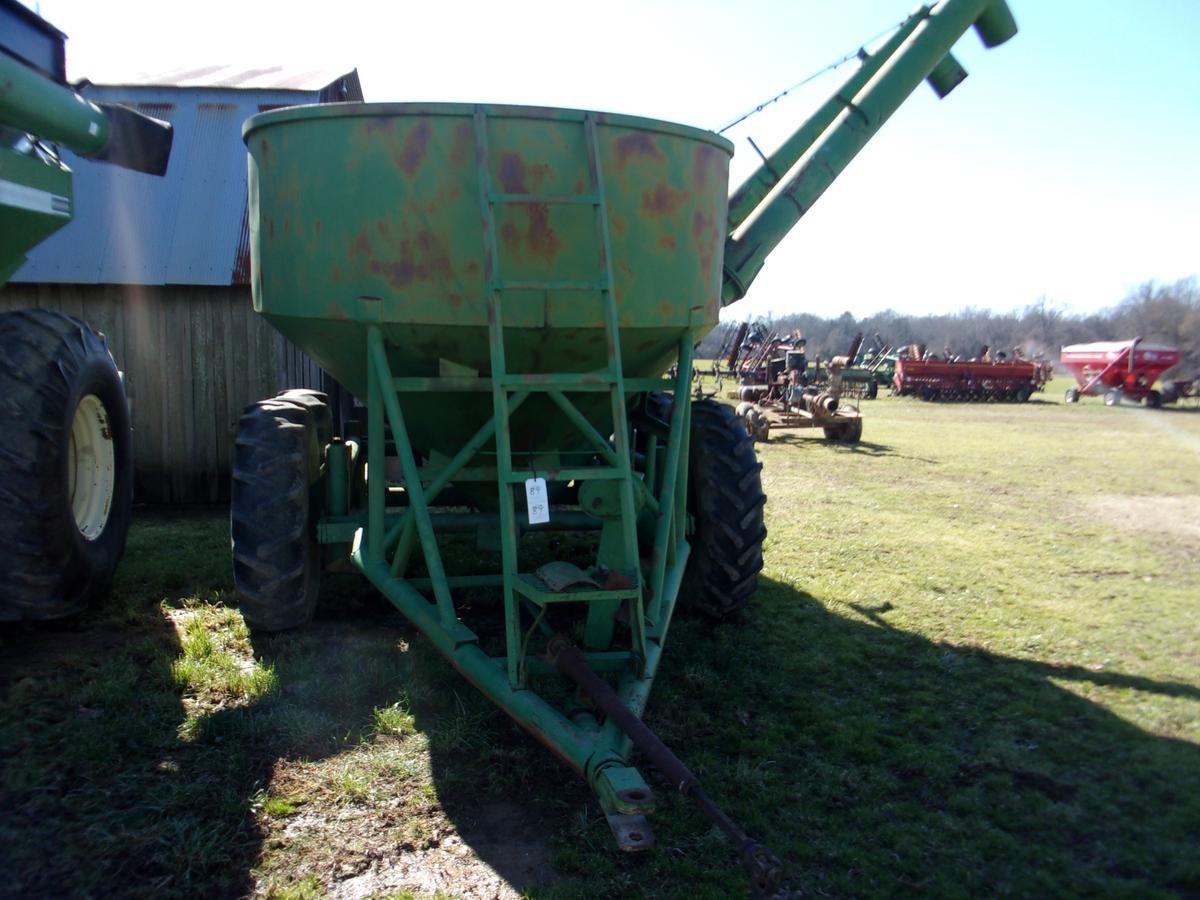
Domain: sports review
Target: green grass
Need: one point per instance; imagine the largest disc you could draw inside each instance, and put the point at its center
(971, 668)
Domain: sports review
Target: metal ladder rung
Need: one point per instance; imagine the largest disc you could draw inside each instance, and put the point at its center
(585, 473)
(601, 380)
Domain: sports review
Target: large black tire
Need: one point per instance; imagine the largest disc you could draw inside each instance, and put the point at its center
(66, 465)
(274, 507)
(725, 499)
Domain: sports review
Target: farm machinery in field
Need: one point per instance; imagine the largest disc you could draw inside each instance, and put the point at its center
(66, 486)
(791, 401)
(493, 282)
(983, 378)
(1123, 370)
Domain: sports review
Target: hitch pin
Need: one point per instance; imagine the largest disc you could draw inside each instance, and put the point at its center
(764, 868)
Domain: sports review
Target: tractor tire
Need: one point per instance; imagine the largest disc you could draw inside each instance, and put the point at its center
(725, 500)
(66, 465)
(318, 403)
(274, 507)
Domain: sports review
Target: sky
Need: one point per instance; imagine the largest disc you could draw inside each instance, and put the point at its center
(1066, 166)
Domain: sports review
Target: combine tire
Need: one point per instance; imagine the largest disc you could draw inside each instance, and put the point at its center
(725, 499)
(274, 506)
(66, 465)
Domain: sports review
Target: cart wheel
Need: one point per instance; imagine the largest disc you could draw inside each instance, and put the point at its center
(318, 403)
(1022, 395)
(1072, 395)
(66, 484)
(274, 506)
(845, 432)
(1154, 400)
(725, 499)
(1112, 398)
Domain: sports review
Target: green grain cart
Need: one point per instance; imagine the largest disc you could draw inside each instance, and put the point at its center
(505, 287)
(66, 451)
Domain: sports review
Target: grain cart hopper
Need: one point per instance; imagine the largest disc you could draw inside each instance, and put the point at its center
(505, 286)
(66, 483)
(1119, 370)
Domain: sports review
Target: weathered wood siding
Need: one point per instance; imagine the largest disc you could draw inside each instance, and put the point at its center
(193, 358)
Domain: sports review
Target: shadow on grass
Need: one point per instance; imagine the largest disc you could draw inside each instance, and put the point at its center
(817, 440)
(874, 762)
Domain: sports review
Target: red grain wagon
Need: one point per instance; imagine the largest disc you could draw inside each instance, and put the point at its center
(1118, 369)
(943, 379)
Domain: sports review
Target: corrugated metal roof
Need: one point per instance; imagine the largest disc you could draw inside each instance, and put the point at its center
(188, 227)
(263, 78)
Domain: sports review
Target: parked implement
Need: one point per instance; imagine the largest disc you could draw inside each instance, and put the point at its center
(1120, 370)
(66, 484)
(505, 287)
(976, 379)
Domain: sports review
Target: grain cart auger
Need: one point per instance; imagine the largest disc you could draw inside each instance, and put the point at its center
(66, 483)
(505, 286)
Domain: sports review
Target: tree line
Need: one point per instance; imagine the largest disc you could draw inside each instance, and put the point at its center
(1160, 313)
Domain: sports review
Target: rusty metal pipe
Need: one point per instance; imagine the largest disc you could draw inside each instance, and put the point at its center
(765, 870)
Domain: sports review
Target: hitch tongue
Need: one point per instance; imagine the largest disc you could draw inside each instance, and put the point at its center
(764, 868)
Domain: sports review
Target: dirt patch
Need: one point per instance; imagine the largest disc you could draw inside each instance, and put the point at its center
(1173, 520)
(498, 854)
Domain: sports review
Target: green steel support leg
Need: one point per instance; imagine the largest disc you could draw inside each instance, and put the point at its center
(412, 479)
(669, 510)
(406, 527)
(376, 467)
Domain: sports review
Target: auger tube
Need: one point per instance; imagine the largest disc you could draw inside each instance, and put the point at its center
(923, 53)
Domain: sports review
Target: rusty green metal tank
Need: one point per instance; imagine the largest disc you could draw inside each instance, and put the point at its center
(371, 214)
(504, 288)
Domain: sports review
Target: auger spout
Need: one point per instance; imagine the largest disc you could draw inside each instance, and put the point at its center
(918, 51)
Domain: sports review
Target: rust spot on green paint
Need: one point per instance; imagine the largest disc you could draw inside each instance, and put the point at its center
(460, 149)
(361, 245)
(542, 240)
(618, 224)
(264, 148)
(705, 160)
(665, 310)
(704, 238)
(472, 268)
(667, 242)
(380, 124)
(511, 236)
(317, 229)
(512, 174)
(415, 149)
(456, 300)
(662, 201)
(270, 228)
(634, 145)
(425, 257)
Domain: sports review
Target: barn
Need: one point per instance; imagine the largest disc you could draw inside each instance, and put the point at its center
(161, 266)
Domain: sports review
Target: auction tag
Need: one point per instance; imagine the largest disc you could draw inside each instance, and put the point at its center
(536, 501)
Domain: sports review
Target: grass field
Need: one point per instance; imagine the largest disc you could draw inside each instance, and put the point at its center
(972, 668)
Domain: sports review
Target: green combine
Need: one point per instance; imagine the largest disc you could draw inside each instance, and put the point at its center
(66, 485)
